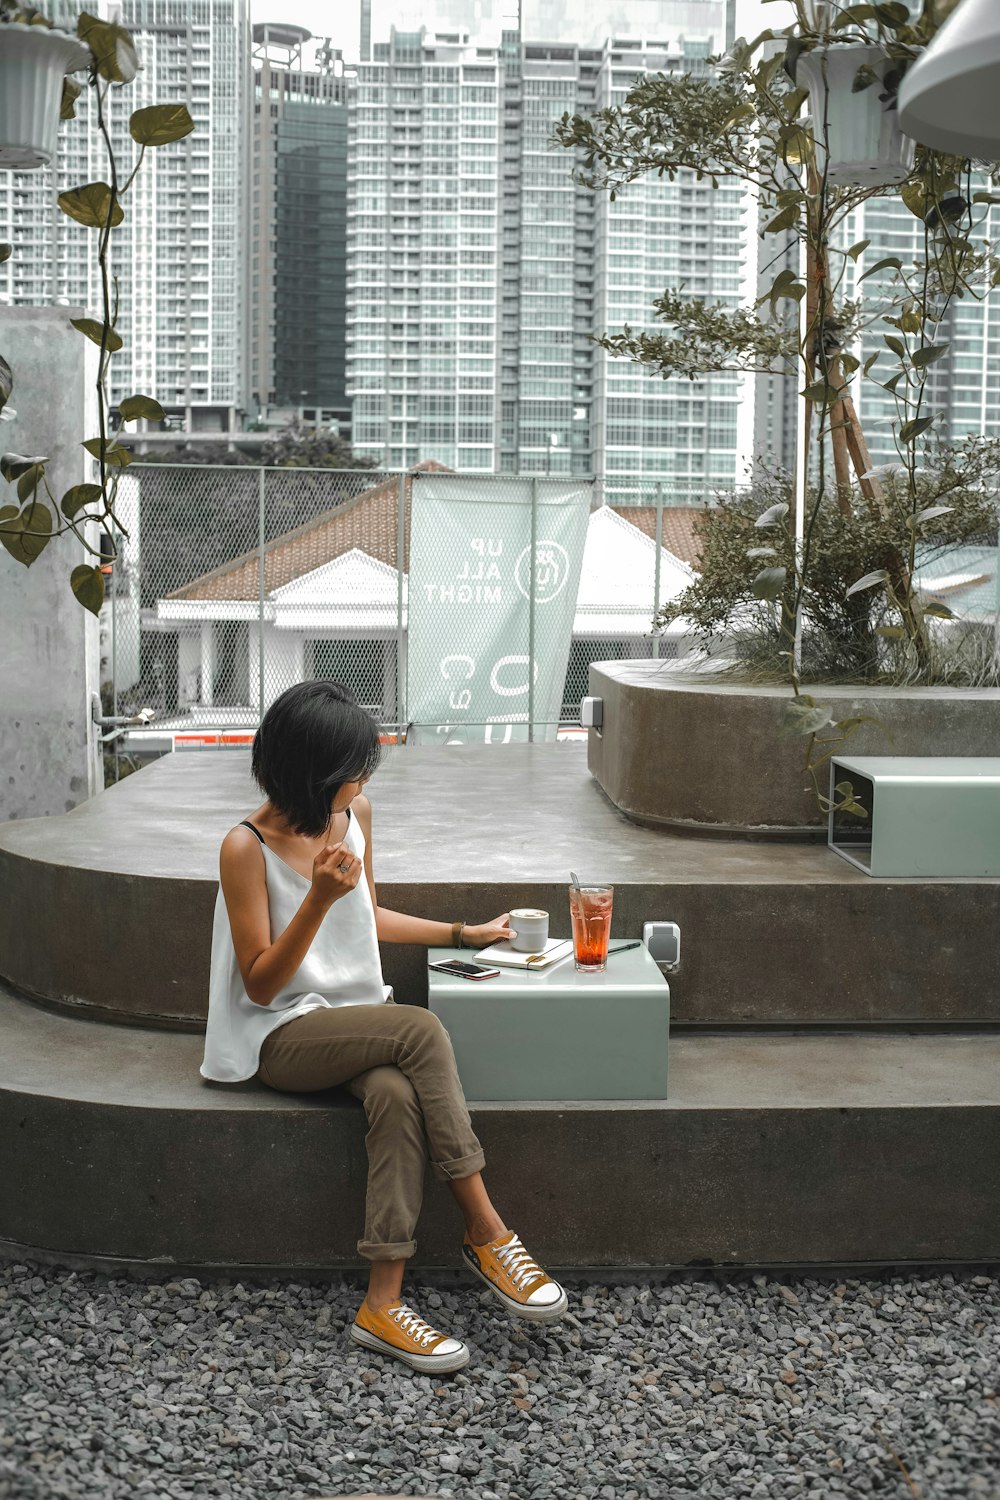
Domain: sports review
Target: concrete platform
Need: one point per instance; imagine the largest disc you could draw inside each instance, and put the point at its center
(108, 908)
(771, 1149)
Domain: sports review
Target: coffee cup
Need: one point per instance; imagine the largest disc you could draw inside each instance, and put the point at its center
(530, 928)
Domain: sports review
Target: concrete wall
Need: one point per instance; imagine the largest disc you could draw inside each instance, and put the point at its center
(50, 664)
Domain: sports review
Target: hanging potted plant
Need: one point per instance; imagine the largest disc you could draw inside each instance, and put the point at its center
(35, 58)
(853, 89)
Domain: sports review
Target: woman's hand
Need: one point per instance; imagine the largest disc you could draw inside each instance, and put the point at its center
(336, 871)
(485, 933)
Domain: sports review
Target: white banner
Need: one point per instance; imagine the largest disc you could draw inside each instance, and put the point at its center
(488, 627)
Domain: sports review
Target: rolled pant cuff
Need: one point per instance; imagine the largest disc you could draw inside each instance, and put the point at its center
(403, 1250)
(462, 1166)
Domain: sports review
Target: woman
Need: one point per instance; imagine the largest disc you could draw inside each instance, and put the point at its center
(297, 1000)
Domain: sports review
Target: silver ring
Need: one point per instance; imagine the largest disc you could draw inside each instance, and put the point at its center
(343, 869)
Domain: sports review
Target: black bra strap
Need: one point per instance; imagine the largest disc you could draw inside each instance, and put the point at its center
(245, 823)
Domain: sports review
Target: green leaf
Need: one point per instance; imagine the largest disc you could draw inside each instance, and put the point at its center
(772, 515)
(913, 429)
(134, 407)
(88, 586)
(796, 145)
(743, 112)
(6, 382)
(803, 716)
(849, 364)
(891, 384)
(769, 583)
(761, 552)
(29, 481)
(853, 15)
(939, 610)
(929, 513)
(858, 249)
(784, 285)
(871, 360)
(928, 354)
(95, 332)
(89, 205)
(112, 46)
(784, 220)
(891, 632)
(13, 465)
(71, 92)
(161, 124)
(37, 520)
(896, 345)
(870, 581)
(819, 391)
(10, 528)
(893, 13)
(888, 261)
(915, 195)
(985, 198)
(77, 497)
(910, 320)
(864, 78)
(114, 454)
(6, 251)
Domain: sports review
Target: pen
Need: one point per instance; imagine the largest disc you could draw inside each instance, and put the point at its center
(623, 946)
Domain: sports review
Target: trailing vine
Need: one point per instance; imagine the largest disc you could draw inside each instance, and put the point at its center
(28, 525)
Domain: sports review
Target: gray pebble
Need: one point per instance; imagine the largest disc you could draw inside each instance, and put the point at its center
(203, 1389)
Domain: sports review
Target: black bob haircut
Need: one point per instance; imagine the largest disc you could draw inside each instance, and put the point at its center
(313, 739)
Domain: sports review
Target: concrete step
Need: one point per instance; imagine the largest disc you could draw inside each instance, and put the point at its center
(772, 1149)
(108, 908)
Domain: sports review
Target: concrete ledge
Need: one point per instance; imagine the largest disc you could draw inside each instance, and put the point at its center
(699, 755)
(108, 909)
(782, 1149)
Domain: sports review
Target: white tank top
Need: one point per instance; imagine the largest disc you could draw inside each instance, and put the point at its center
(342, 967)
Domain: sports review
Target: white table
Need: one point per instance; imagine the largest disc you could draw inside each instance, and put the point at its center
(558, 1034)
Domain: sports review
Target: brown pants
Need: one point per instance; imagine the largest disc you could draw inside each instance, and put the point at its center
(398, 1060)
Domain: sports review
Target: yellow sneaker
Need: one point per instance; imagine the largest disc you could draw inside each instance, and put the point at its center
(397, 1330)
(519, 1282)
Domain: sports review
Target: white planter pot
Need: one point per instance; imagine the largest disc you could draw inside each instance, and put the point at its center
(33, 63)
(867, 147)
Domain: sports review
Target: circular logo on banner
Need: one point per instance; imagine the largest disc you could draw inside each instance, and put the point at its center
(551, 571)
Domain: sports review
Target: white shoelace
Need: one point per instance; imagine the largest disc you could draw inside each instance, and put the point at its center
(519, 1264)
(419, 1331)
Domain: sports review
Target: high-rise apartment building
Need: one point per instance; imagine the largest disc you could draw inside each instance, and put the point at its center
(179, 255)
(479, 269)
(963, 391)
(298, 219)
(423, 252)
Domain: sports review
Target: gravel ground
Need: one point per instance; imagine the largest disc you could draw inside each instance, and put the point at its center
(721, 1388)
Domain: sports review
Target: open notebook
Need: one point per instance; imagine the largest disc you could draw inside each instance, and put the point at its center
(504, 956)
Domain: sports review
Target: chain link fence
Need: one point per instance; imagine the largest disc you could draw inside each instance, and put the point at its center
(230, 584)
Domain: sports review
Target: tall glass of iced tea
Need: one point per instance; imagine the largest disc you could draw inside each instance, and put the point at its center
(590, 914)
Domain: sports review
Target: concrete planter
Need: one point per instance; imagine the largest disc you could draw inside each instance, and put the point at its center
(698, 755)
(34, 60)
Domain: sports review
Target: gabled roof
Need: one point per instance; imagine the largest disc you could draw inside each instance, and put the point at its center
(367, 522)
(679, 533)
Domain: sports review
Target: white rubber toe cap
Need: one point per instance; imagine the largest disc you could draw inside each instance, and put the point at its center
(448, 1346)
(544, 1296)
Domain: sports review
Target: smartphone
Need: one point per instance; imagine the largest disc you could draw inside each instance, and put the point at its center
(463, 970)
